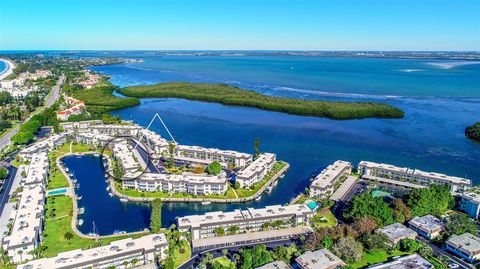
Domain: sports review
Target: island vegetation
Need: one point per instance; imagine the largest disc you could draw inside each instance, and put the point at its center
(473, 132)
(230, 95)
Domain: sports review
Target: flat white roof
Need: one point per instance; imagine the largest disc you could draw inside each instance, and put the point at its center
(38, 169)
(397, 231)
(124, 151)
(320, 259)
(257, 166)
(28, 216)
(467, 242)
(275, 265)
(79, 257)
(238, 215)
(214, 151)
(415, 172)
(329, 174)
(427, 223)
(183, 178)
(44, 144)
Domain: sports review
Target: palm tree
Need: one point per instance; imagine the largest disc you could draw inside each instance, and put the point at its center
(68, 236)
(20, 252)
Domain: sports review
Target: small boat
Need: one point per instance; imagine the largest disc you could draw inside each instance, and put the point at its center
(269, 189)
(282, 176)
(110, 194)
(79, 198)
(96, 155)
(80, 222)
(258, 198)
(92, 234)
(81, 211)
(77, 185)
(206, 202)
(70, 174)
(67, 170)
(106, 175)
(124, 200)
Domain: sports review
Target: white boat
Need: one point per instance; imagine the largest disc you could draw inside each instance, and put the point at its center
(258, 198)
(269, 189)
(79, 198)
(110, 194)
(80, 222)
(96, 155)
(124, 200)
(282, 176)
(206, 202)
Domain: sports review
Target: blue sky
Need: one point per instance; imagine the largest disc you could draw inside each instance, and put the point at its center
(241, 24)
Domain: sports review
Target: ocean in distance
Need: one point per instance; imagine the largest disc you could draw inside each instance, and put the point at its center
(440, 99)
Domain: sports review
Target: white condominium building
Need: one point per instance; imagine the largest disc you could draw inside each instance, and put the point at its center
(116, 130)
(195, 154)
(47, 144)
(37, 171)
(80, 126)
(323, 185)
(123, 152)
(256, 170)
(465, 245)
(153, 140)
(380, 170)
(126, 253)
(185, 183)
(204, 226)
(319, 259)
(99, 140)
(27, 226)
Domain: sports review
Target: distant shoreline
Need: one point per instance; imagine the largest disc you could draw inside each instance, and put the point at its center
(9, 70)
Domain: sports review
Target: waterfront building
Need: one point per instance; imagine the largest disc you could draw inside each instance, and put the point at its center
(470, 203)
(256, 170)
(396, 232)
(194, 184)
(275, 265)
(407, 262)
(465, 245)
(154, 141)
(196, 154)
(118, 254)
(27, 226)
(98, 140)
(324, 184)
(122, 151)
(320, 259)
(371, 170)
(47, 144)
(250, 219)
(80, 126)
(427, 226)
(116, 130)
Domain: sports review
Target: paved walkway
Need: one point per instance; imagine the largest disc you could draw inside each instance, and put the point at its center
(7, 211)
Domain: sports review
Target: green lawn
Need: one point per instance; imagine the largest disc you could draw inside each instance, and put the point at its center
(374, 257)
(60, 223)
(80, 148)
(180, 258)
(242, 193)
(224, 261)
(324, 218)
(55, 179)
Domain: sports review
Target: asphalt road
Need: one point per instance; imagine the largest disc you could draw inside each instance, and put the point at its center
(5, 140)
(440, 252)
(6, 187)
(56, 92)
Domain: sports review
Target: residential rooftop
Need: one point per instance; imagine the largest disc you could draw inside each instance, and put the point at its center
(77, 258)
(466, 242)
(397, 231)
(275, 265)
(242, 215)
(427, 223)
(320, 259)
(407, 262)
(326, 178)
(256, 166)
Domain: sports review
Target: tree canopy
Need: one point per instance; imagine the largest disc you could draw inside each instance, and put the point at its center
(365, 205)
(435, 200)
(214, 168)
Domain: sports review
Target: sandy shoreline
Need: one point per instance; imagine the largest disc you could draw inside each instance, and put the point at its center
(10, 67)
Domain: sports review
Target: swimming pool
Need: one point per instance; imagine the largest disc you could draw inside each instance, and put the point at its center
(57, 191)
(312, 205)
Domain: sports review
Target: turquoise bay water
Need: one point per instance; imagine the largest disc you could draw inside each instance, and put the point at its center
(3, 67)
(439, 98)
